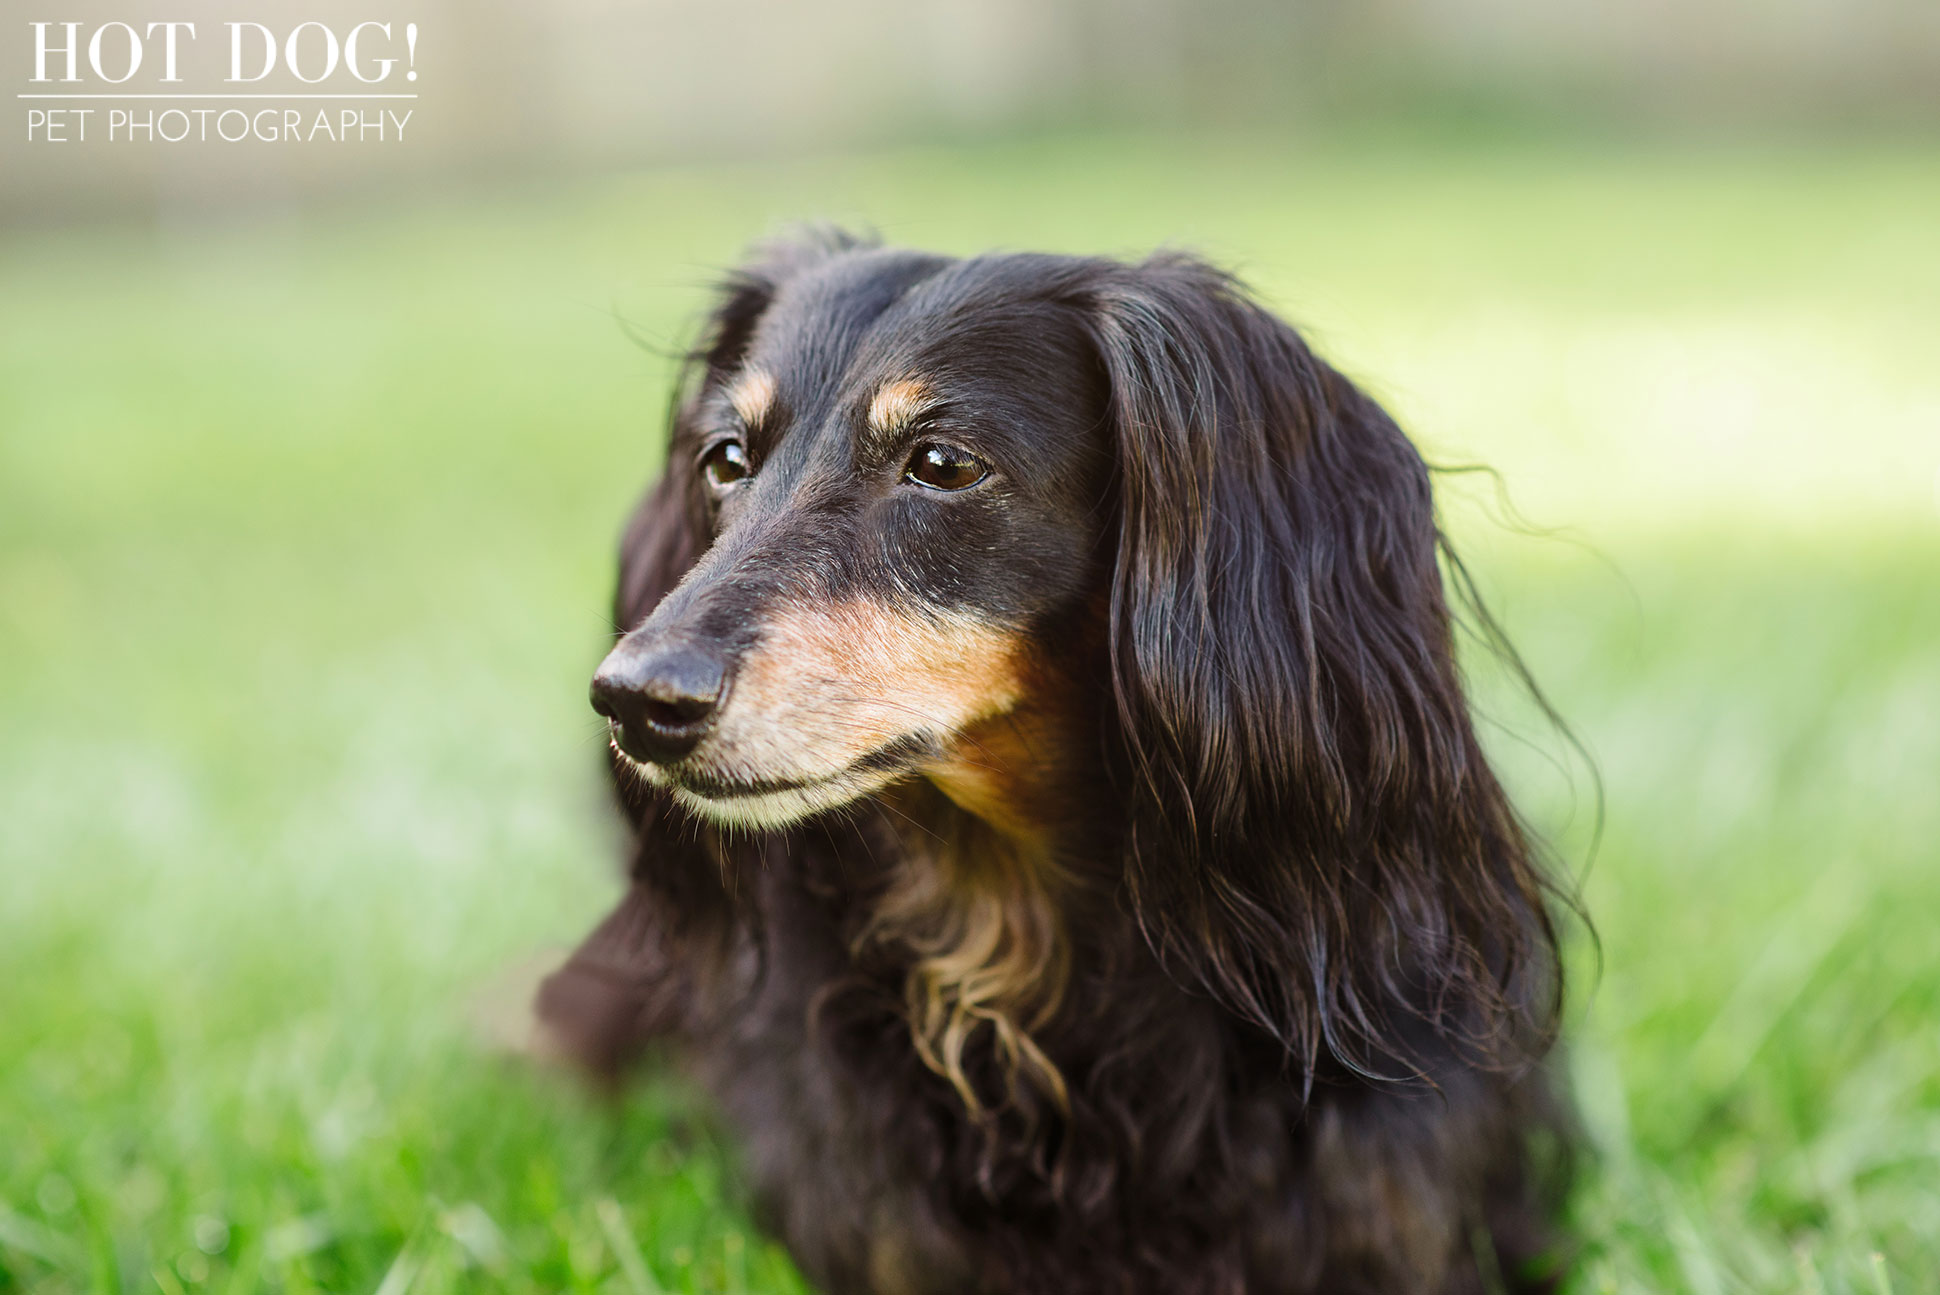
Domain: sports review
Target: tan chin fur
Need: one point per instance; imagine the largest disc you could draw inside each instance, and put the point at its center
(831, 682)
(980, 911)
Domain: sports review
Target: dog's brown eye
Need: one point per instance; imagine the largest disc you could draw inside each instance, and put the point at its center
(725, 464)
(944, 467)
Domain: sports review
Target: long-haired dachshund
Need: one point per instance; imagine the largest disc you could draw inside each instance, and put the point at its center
(1059, 839)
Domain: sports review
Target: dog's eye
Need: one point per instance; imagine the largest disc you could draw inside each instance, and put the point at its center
(725, 464)
(944, 467)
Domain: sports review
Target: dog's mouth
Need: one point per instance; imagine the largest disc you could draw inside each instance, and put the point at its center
(895, 756)
(748, 798)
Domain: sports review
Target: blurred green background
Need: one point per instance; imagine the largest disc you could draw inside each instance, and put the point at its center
(306, 519)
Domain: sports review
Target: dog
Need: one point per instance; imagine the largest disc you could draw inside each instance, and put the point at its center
(1060, 843)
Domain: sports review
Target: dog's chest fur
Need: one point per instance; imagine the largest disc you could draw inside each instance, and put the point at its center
(1184, 1159)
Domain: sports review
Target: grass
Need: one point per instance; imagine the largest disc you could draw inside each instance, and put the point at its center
(304, 546)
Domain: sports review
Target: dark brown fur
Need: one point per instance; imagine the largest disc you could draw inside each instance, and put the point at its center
(1202, 952)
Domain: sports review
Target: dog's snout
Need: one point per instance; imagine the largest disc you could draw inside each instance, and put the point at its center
(660, 700)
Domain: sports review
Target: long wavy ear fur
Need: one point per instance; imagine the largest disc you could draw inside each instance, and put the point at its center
(1318, 842)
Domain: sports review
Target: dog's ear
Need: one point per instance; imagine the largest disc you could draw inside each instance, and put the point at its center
(1316, 839)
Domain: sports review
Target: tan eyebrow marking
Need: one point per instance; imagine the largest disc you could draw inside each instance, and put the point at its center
(752, 395)
(897, 403)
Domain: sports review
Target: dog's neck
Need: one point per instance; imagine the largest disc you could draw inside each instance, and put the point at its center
(976, 919)
(980, 901)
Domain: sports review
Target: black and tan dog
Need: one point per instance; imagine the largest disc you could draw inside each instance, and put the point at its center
(1059, 835)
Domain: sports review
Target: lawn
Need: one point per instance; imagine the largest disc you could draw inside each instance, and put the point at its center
(305, 532)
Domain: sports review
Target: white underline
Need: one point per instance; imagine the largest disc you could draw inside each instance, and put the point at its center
(215, 96)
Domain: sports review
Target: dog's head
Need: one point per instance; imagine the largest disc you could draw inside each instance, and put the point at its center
(890, 470)
(1121, 510)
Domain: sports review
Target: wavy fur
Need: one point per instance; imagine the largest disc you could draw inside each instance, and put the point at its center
(1245, 983)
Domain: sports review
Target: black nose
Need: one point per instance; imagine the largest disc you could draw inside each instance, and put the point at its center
(660, 699)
